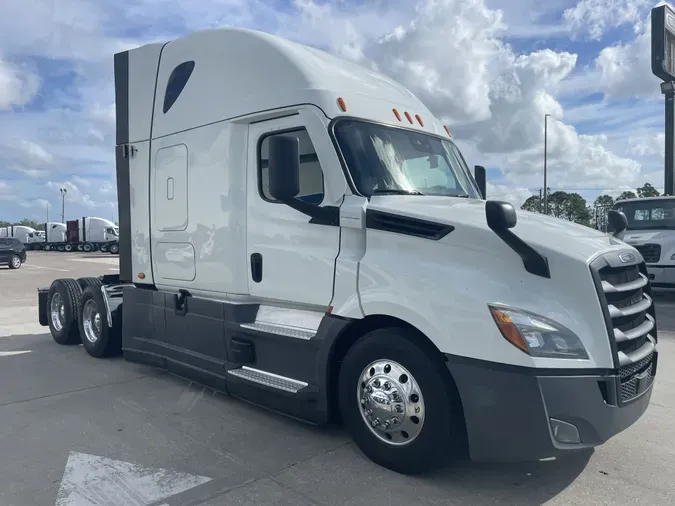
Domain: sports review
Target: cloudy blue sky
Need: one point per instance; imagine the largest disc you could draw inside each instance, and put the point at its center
(490, 69)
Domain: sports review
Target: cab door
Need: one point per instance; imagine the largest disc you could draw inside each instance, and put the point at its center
(290, 258)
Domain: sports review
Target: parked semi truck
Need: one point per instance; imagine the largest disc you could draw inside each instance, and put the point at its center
(55, 235)
(90, 234)
(302, 233)
(27, 235)
(651, 230)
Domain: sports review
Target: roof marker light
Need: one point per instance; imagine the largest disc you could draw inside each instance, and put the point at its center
(341, 104)
(419, 120)
(396, 113)
(447, 130)
(407, 115)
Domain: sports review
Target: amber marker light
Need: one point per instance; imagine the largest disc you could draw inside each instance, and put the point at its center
(508, 329)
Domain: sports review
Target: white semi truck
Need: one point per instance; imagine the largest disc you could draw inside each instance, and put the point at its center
(302, 233)
(27, 235)
(651, 230)
(90, 233)
(55, 235)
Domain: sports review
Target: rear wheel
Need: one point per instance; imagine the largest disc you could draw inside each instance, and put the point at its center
(98, 338)
(63, 303)
(15, 262)
(398, 403)
(79, 247)
(104, 248)
(87, 247)
(60, 247)
(47, 247)
(85, 282)
(114, 249)
(68, 247)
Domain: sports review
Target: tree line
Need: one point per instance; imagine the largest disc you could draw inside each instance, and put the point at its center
(26, 223)
(573, 207)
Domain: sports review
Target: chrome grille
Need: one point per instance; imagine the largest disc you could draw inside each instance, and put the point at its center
(650, 252)
(629, 311)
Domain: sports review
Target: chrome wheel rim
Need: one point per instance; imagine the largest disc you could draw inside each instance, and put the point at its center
(16, 262)
(58, 312)
(391, 402)
(91, 321)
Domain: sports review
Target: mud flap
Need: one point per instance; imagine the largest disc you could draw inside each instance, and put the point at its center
(43, 294)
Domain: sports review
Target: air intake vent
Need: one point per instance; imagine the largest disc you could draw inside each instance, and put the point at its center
(387, 222)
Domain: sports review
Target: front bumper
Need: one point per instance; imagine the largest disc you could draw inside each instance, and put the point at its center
(511, 412)
(661, 275)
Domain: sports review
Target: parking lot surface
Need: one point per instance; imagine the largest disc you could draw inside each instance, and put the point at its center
(79, 431)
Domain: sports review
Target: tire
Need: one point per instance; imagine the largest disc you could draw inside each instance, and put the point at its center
(15, 262)
(85, 282)
(65, 329)
(68, 247)
(47, 247)
(79, 247)
(430, 427)
(114, 249)
(60, 247)
(87, 247)
(104, 248)
(97, 338)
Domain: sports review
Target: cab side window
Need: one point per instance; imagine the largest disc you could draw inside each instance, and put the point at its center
(311, 174)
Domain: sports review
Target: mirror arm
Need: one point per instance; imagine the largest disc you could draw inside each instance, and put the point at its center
(534, 262)
(327, 215)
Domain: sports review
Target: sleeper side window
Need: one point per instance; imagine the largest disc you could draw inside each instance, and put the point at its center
(311, 174)
(177, 81)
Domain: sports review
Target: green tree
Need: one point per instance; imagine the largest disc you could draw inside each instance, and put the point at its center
(533, 204)
(4, 224)
(603, 201)
(31, 223)
(647, 190)
(626, 195)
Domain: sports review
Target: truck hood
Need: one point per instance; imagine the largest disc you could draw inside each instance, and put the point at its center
(545, 233)
(641, 236)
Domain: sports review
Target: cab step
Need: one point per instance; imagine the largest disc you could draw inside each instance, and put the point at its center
(269, 379)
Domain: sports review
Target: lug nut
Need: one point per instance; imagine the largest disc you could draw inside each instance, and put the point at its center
(376, 383)
(386, 425)
(417, 409)
(394, 420)
(398, 408)
(387, 385)
(363, 401)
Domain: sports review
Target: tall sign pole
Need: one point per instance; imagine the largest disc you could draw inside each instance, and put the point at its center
(663, 67)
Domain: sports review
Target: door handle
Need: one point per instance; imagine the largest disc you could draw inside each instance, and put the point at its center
(256, 267)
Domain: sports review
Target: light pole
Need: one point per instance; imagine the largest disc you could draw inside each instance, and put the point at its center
(545, 156)
(63, 204)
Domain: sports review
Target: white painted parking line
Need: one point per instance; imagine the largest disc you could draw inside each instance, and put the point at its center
(12, 353)
(98, 260)
(33, 266)
(90, 479)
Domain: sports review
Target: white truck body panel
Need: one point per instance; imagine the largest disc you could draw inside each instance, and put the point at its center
(55, 232)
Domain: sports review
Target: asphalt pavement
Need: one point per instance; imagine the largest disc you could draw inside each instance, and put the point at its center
(80, 431)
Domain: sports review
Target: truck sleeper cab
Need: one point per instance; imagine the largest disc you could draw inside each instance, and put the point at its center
(304, 234)
(651, 230)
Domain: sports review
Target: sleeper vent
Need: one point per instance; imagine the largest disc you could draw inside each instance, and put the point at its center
(378, 220)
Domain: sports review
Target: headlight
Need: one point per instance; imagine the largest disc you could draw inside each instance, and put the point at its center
(535, 335)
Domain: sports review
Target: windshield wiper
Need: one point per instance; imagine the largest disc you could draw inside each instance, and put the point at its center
(396, 191)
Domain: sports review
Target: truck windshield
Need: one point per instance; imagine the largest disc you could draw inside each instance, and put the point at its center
(649, 214)
(385, 160)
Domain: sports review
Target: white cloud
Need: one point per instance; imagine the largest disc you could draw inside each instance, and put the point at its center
(596, 17)
(451, 53)
(18, 84)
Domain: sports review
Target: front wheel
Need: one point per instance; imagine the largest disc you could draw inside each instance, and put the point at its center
(114, 249)
(397, 402)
